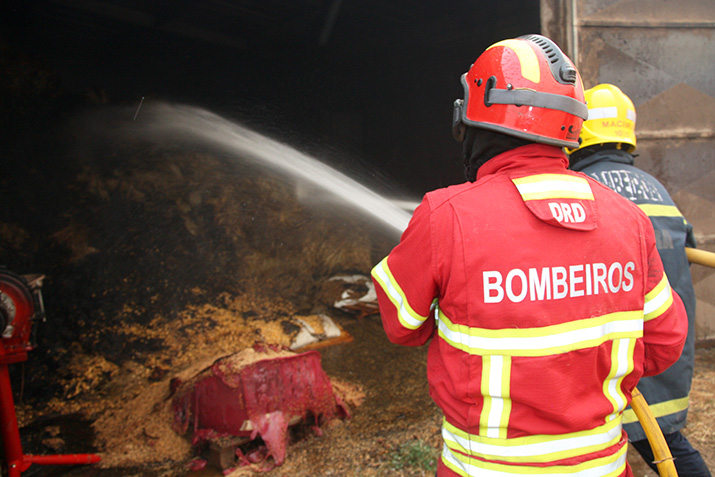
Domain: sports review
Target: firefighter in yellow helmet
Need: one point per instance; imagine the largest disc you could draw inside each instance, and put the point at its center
(607, 141)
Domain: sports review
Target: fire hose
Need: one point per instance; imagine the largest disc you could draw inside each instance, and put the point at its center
(663, 459)
(661, 453)
(701, 257)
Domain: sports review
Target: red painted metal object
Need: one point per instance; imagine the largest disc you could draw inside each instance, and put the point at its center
(261, 398)
(20, 308)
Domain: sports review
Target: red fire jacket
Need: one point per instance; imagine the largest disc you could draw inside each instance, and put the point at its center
(546, 301)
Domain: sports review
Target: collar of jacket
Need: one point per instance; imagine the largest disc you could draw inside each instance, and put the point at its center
(532, 159)
(610, 155)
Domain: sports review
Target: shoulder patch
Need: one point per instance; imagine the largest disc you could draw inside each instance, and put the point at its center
(559, 199)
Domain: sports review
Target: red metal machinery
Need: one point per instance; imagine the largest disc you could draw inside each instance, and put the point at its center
(21, 308)
(259, 392)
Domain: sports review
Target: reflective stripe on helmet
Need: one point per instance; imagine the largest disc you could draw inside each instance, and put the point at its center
(609, 112)
(525, 97)
(602, 113)
(527, 58)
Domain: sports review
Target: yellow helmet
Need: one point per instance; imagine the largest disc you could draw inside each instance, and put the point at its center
(611, 119)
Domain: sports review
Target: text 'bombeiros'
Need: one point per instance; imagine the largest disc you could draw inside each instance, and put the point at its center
(555, 283)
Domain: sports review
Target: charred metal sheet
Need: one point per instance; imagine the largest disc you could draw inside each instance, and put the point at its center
(661, 55)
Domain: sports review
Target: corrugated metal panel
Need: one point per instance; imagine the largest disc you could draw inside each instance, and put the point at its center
(662, 54)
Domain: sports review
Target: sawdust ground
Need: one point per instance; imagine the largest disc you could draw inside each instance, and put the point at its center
(396, 413)
(391, 408)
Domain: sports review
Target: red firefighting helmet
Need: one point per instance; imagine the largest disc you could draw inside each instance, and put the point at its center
(525, 87)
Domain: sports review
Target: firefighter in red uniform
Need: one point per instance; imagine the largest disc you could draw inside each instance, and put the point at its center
(541, 290)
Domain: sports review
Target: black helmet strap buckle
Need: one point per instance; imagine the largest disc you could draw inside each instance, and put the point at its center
(459, 130)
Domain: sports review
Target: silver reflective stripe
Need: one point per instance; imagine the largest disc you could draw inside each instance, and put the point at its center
(553, 185)
(541, 341)
(609, 466)
(609, 112)
(496, 383)
(621, 365)
(657, 301)
(408, 317)
(539, 448)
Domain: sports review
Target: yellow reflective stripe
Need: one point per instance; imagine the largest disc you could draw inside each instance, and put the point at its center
(527, 58)
(538, 448)
(658, 300)
(496, 379)
(407, 316)
(553, 186)
(653, 210)
(609, 466)
(660, 409)
(621, 366)
(542, 341)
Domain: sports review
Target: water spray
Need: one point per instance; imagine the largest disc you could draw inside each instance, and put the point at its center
(188, 122)
(138, 108)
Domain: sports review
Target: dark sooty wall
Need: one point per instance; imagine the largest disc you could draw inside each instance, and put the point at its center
(366, 80)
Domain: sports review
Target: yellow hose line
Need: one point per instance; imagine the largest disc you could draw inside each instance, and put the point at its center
(701, 257)
(661, 452)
